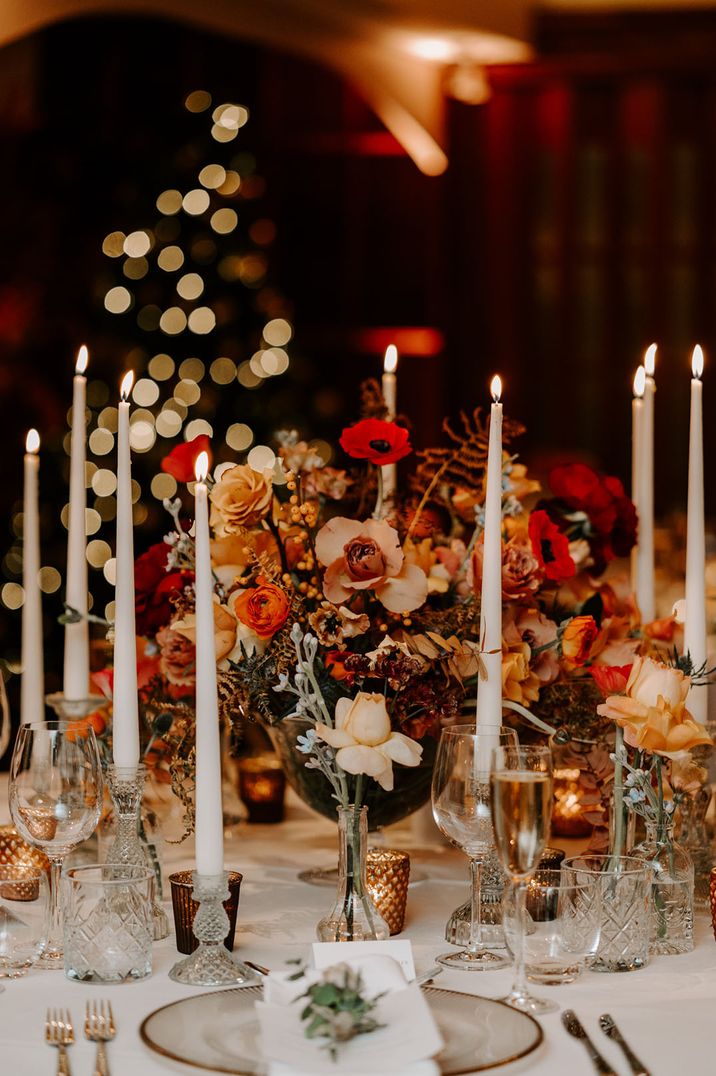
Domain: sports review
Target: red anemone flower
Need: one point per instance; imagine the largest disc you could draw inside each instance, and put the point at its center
(377, 441)
(551, 547)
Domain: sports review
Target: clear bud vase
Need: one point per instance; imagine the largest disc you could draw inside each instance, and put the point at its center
(672, 889)
(354, 916)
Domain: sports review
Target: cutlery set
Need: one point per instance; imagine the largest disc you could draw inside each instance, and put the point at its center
(99, 1027)
(575, 1028)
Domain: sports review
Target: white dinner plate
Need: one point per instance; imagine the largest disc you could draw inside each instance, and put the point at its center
(219, 1032)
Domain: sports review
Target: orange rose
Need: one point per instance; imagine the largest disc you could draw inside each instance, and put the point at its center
(578, 638)
(224, 630)
(263, 608)
(241, 498)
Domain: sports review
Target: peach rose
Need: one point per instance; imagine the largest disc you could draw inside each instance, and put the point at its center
(367, 556)
(177, 658)
(263, 608)
(241, 498)
(224, 630)
(540, 633)
(521, 575)
(519, 683)
(364, 740)
(653, 711)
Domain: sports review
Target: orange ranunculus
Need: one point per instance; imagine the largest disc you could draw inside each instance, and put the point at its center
(578, 639)
(653, 711)
(263, 608)
(611, 679)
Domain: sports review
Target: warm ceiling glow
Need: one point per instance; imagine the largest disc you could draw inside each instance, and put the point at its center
(82, 360)
(390, 362)
(639, 382)
(201, 467)
(32, 441)
(650, 360)
(438, 49)
(697, 361)
(496, 388)
(126, 387)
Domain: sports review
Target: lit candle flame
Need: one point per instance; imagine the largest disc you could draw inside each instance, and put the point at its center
(697, 361)
(650, 360)
(82, 360)
(201, 467)
(639, 382)
(32, 442)
(390, 362)
(496, 388)
(126, 387)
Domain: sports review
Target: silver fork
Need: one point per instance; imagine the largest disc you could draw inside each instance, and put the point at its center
(60, 1033)
(100, 1028)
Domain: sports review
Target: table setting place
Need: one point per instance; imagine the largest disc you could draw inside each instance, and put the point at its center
(395, 682)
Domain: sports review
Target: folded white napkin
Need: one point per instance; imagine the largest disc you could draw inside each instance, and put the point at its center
(403, 1047)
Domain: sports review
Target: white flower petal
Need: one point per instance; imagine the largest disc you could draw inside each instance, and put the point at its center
(334, 737)
(402, 749)
(361, 759)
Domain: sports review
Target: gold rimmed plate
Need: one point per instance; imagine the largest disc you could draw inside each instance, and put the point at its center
(219, 1032)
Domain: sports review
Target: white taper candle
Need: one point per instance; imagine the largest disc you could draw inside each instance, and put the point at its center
(76, 666)
(695, 624)
(32, 685)
(209, 824)
(390, 396)
(125, 707)
(489, 689)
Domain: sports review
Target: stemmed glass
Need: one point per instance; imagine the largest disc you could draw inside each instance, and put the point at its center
(461, 808)
(55, 802)
(521, 782)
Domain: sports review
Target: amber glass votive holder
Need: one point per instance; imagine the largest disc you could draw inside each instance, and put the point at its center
(262, 785)
(15, 851)
(185, 909)
(388, 876)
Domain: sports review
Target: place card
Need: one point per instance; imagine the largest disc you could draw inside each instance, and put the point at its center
(400, 950)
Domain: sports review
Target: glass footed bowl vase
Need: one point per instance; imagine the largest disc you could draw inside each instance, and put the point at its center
(411, 791)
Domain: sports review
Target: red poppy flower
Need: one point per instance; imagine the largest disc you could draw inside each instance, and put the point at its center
(181, 460)
(154, 589)
(551, 547)
(377, 441)
(611, 679)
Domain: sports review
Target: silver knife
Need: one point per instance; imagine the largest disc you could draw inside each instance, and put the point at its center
(573, 1026)
(606, 1023)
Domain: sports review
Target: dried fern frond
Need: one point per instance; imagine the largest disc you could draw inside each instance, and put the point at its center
(372, 403)
(462, 462)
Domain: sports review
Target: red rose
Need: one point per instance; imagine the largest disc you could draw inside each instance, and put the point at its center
(181, 460)
(551, 547)
(611, 679)
(612, 516)
(377, 441)
(154, 589)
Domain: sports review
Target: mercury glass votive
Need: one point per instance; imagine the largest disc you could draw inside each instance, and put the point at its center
(388, 877)
(262, 785)
(185, 909)
(14, 851)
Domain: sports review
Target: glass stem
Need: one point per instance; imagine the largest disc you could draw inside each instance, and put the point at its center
(519, 987)
(474, 944)
(55, 938)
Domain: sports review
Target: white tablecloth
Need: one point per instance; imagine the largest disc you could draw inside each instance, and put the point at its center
(667, 1011)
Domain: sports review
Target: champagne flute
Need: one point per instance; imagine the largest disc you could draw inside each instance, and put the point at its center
(55, 802)
(461, 808)
(521, 802)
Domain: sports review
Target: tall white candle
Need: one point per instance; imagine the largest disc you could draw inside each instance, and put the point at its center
(645, 593)
(489, 688)
(695, 624)
(125, 707)
(390, 396)
(76, 669)
(32, 689)
(209, 824)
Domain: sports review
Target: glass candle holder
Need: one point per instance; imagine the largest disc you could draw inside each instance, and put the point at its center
(567, 815)
(185, 909)
(15, 851)
(262, 785)
(24, 917)
(387, 877)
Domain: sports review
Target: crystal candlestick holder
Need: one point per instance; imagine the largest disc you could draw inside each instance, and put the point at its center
(210, 964)
(126, 785)
(74, 709)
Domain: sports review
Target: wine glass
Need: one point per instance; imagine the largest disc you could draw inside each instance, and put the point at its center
(461, 808)
(55, 802)
(521, 802)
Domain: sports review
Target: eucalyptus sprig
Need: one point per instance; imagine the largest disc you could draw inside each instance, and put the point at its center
(337, 1009)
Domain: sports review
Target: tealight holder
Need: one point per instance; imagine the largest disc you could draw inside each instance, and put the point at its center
(126, 784)
(387, 872)
(262, 785)
(211, 964)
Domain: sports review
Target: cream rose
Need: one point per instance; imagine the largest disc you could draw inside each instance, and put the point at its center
(364, 740)
(241, 498)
